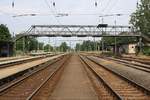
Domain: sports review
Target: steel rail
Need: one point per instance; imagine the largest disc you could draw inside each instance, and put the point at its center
(46, 80)
(128, 64)
(140, 60)
(30, 74)
(101, 79)
(123, 77)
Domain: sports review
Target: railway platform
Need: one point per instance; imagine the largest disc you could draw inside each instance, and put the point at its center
(9, 71)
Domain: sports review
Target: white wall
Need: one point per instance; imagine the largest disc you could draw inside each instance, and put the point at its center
(132, 48)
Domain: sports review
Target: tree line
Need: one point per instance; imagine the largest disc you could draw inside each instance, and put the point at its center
(32, 44)
(140, 19)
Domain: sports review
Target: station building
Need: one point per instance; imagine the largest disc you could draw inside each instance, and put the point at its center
(6, 48)
(129, 48)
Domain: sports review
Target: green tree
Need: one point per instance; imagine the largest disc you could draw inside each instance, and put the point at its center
(30, 44)
(78, 47)
(63, 47)
(19, 44)
(120, 40)
(48, 48)
(87, 46)
(4, 33)
(41, 45)
(140, 19)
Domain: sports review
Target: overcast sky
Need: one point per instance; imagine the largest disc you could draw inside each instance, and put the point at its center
(81, 12)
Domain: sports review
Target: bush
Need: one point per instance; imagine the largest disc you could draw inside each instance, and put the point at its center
(146, 51)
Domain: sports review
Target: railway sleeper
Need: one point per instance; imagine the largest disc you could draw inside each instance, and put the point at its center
(4, 82)
(135, 84)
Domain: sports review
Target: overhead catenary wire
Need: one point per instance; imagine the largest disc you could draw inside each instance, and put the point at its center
(57, 14)
(107, 5)
(67, 14)
(53, 12)
(112, 6)
(117, 14)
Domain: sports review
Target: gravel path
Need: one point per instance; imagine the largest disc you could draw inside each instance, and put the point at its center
(74, 83)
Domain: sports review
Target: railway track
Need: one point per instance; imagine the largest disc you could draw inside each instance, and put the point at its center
(98, 84)
(140, 60)
(48, 85)
(135, 65)
(33, 81)
(9, 77)
(135, 60)
(132, 64)
(120, 87)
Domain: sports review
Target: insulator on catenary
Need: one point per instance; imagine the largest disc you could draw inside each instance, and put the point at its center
(13, 4)
(54, 4)
(95, 4)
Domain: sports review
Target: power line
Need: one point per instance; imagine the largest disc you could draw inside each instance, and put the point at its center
(68, 14)
(53, 12)
(109, 15)
(56, 14)
(113, 5)
(107, 5)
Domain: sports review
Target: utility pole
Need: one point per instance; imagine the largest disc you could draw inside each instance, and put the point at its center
(102, 33)
(140, 44)
(94, 44)
(37, 45)
(49, 44)
(55, 44)
(70, 45)
(23, 46)
(14, 48)
(115, 40)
